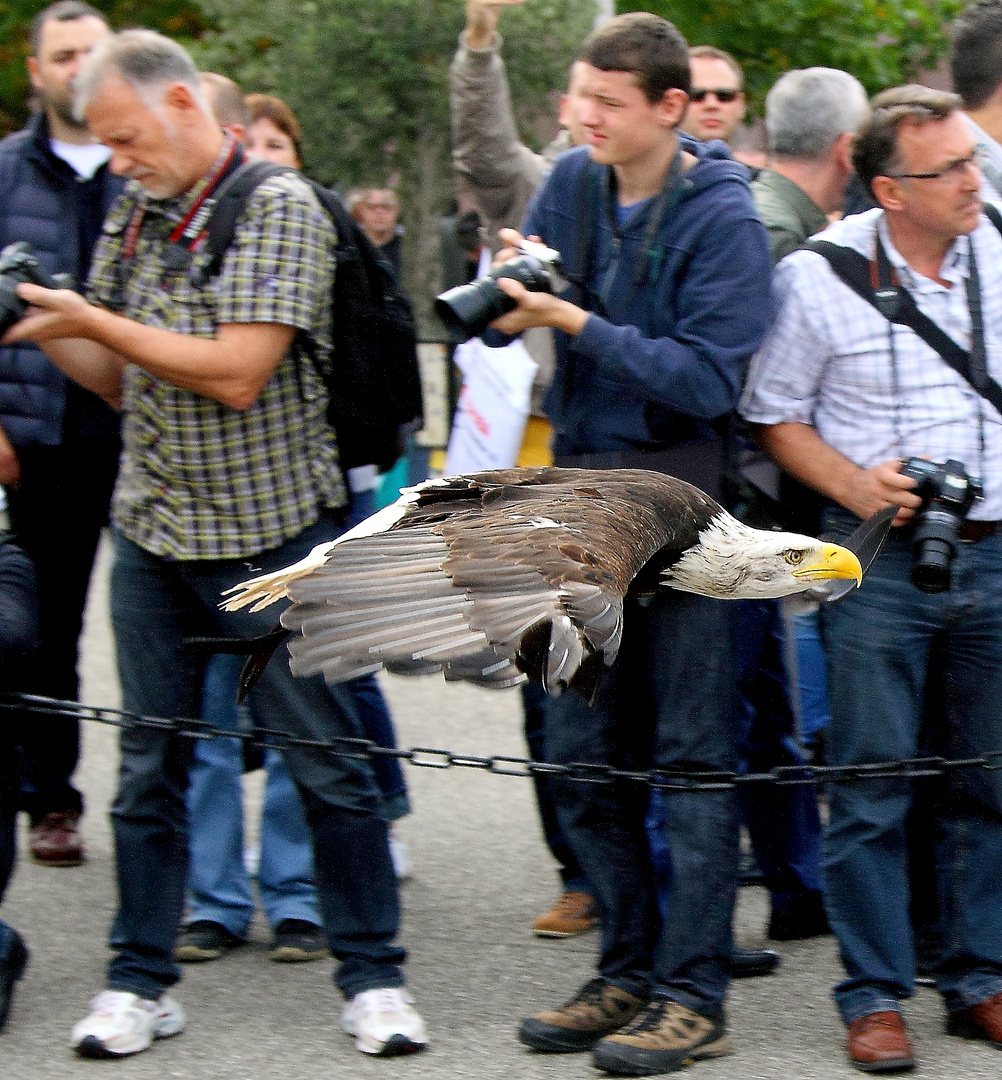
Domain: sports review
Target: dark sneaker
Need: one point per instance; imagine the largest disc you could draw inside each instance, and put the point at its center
(204, 940)
(664, 1037)
(597, 1009)
(297, 941)
(750, 963)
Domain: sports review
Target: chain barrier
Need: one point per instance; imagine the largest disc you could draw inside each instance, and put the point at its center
(428, 757)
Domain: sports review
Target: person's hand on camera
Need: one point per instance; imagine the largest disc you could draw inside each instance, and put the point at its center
(870, 490)
(54, 313)
(513, 241)
(482, 21)
(534, 308)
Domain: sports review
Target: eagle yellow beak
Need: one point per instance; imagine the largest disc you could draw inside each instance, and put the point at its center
(833, 562)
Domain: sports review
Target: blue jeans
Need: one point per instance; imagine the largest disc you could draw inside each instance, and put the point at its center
(880, 642)
(219, 886)
(669, 701)
(534, 706)
(783, 822)
(156, 604)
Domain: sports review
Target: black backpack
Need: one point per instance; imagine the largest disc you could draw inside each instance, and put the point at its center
(373, 382)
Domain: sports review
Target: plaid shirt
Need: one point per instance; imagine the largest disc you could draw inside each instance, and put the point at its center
(826, 361)
(200, 480)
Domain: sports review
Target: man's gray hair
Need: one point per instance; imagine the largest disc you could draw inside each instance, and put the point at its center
(146, 60)
(807, 111)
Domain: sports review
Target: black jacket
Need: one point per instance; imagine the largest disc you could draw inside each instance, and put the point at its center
(43, 202)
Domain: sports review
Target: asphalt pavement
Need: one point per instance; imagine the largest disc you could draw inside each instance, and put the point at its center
(481, 875)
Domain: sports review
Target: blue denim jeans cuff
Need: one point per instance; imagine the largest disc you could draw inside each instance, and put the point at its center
(863, 1001)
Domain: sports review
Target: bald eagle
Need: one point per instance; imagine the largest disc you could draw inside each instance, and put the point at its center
(500, 576)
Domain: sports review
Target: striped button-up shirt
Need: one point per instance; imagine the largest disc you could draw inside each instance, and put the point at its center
(827, 360)
(200, 480)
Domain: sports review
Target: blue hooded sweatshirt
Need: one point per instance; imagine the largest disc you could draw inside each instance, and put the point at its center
(656, 361)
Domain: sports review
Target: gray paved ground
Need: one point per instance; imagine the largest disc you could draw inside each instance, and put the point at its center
(481, 875)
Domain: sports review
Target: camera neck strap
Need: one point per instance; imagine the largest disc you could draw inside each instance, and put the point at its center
(876, 281)
(189, 233)
(597, 190)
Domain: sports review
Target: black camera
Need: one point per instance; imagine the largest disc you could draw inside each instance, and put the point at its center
(468, 310)
(19, 264)
(947, 493)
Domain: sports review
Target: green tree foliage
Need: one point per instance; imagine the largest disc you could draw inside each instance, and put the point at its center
(369, 84)
(882, 42)
(369, 80)
(181, 19)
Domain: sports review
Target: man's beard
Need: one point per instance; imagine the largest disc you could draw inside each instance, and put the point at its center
(61, 103)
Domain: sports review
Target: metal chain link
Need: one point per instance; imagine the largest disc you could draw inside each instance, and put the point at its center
(429, 757)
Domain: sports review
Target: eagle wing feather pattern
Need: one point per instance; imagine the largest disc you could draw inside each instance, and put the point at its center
(490, 576)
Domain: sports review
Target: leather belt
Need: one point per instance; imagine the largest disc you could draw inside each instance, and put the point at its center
(973, 531)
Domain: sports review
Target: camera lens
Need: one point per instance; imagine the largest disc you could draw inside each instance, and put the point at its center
(935, 546)
(468, 310)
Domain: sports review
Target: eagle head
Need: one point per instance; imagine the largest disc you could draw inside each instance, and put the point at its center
(732, 561)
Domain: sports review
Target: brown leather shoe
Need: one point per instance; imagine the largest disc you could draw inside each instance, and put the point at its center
(55, 839)
(981, 1021)
(878, 1043)
(572, 913)
(596, 1010)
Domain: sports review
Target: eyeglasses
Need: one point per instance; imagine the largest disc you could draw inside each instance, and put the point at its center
(724, 94)
(956, 170)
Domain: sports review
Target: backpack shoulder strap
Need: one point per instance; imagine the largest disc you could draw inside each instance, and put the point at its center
(230, 201)
(993, 214)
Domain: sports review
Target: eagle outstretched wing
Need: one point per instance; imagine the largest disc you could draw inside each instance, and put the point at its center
(491, 577)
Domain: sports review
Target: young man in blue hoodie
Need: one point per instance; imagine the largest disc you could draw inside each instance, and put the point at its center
(670, 297)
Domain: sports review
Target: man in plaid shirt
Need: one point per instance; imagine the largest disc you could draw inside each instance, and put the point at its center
(228, 465)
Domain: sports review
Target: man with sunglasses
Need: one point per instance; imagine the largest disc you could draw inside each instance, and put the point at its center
(843, 396)
(716, 99)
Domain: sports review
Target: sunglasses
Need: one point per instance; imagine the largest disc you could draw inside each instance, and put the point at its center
(724, 94)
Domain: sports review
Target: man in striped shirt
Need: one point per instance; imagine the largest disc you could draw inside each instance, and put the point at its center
(843, 396)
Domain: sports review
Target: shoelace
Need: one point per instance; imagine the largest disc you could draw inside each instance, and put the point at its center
(655, 1016)
(589, 994)
(387, 1000)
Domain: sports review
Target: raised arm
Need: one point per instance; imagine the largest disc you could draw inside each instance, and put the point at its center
(500, 172)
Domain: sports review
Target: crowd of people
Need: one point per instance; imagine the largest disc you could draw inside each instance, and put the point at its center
(834, 302)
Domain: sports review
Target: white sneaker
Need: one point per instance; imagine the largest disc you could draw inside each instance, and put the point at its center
(383, 1022)
(121, 1023)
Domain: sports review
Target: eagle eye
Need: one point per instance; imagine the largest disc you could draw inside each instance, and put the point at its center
(794, 556)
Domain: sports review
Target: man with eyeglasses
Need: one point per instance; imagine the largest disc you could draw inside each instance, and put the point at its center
(377, 210)
(843, 396)
(716, 100)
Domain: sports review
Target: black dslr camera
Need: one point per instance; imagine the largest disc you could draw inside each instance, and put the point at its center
(468, 310)
(18, 264)
(947, 493)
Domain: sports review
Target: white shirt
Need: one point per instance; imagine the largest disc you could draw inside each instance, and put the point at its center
(83, 158)
(826, 361)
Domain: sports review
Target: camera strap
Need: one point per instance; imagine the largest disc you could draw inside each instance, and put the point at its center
(876, 282)
(190, 232)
